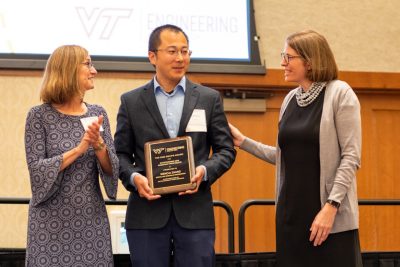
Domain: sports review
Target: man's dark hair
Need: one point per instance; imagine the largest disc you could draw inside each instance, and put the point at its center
(154, 39)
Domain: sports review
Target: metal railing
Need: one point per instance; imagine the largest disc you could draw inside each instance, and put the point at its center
(216, 203)
(270, 202)
(231, 225)
(229, 211)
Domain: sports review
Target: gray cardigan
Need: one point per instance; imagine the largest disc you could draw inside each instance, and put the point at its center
(340, 152)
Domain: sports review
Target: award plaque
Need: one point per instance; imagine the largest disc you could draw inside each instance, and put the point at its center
(170, 165)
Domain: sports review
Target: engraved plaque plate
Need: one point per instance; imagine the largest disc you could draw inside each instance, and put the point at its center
(170, 165)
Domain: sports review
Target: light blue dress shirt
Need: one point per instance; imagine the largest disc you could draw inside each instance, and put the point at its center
(171, 105)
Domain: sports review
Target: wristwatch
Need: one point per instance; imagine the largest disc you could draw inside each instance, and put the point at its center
(333, 203)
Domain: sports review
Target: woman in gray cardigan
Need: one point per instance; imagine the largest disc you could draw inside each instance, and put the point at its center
(317, 155)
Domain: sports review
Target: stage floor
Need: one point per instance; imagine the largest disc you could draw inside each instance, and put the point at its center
(16, 257)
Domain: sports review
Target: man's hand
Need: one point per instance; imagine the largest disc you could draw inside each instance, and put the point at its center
(196, 179)
(143, 188)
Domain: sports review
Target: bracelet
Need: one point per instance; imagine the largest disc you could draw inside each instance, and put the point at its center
(99, 146)
(333, 203)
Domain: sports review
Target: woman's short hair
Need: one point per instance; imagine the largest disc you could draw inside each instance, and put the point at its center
(60, 80)
(315, 50)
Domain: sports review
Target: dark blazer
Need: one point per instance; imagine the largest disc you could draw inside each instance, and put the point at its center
(138, 121)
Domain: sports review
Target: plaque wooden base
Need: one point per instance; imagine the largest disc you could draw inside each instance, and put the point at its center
(170, 165)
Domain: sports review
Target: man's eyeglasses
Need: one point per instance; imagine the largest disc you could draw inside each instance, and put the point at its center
(287, 58)
(175, 52)
(89, 64)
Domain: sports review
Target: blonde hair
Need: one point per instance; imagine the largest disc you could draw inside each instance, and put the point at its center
(60, 80)
(315, 50)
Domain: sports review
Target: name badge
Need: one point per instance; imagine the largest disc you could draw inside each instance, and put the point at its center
(88, 121)
(197, 122)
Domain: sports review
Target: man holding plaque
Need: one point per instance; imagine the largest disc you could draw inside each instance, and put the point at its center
(171, 107)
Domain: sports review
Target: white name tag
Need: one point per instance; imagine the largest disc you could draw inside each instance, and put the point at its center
(88, 121)
(197, 122)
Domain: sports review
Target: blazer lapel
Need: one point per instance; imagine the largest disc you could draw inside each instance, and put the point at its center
(191, 98)
(149, 100)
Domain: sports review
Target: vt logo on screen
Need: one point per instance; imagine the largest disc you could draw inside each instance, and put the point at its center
(100, 22)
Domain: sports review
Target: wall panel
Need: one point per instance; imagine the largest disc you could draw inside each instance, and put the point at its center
(249, 178)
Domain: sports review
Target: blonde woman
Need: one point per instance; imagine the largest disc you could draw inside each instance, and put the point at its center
(68, 145)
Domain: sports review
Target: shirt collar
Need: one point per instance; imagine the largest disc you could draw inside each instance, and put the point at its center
(181, 84)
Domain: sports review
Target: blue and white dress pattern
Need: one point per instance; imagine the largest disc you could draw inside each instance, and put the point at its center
(68, 223)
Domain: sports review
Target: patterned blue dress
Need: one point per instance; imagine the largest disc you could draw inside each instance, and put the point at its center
(68, 223)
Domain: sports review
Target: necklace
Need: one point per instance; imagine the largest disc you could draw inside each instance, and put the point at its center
(306, 98)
